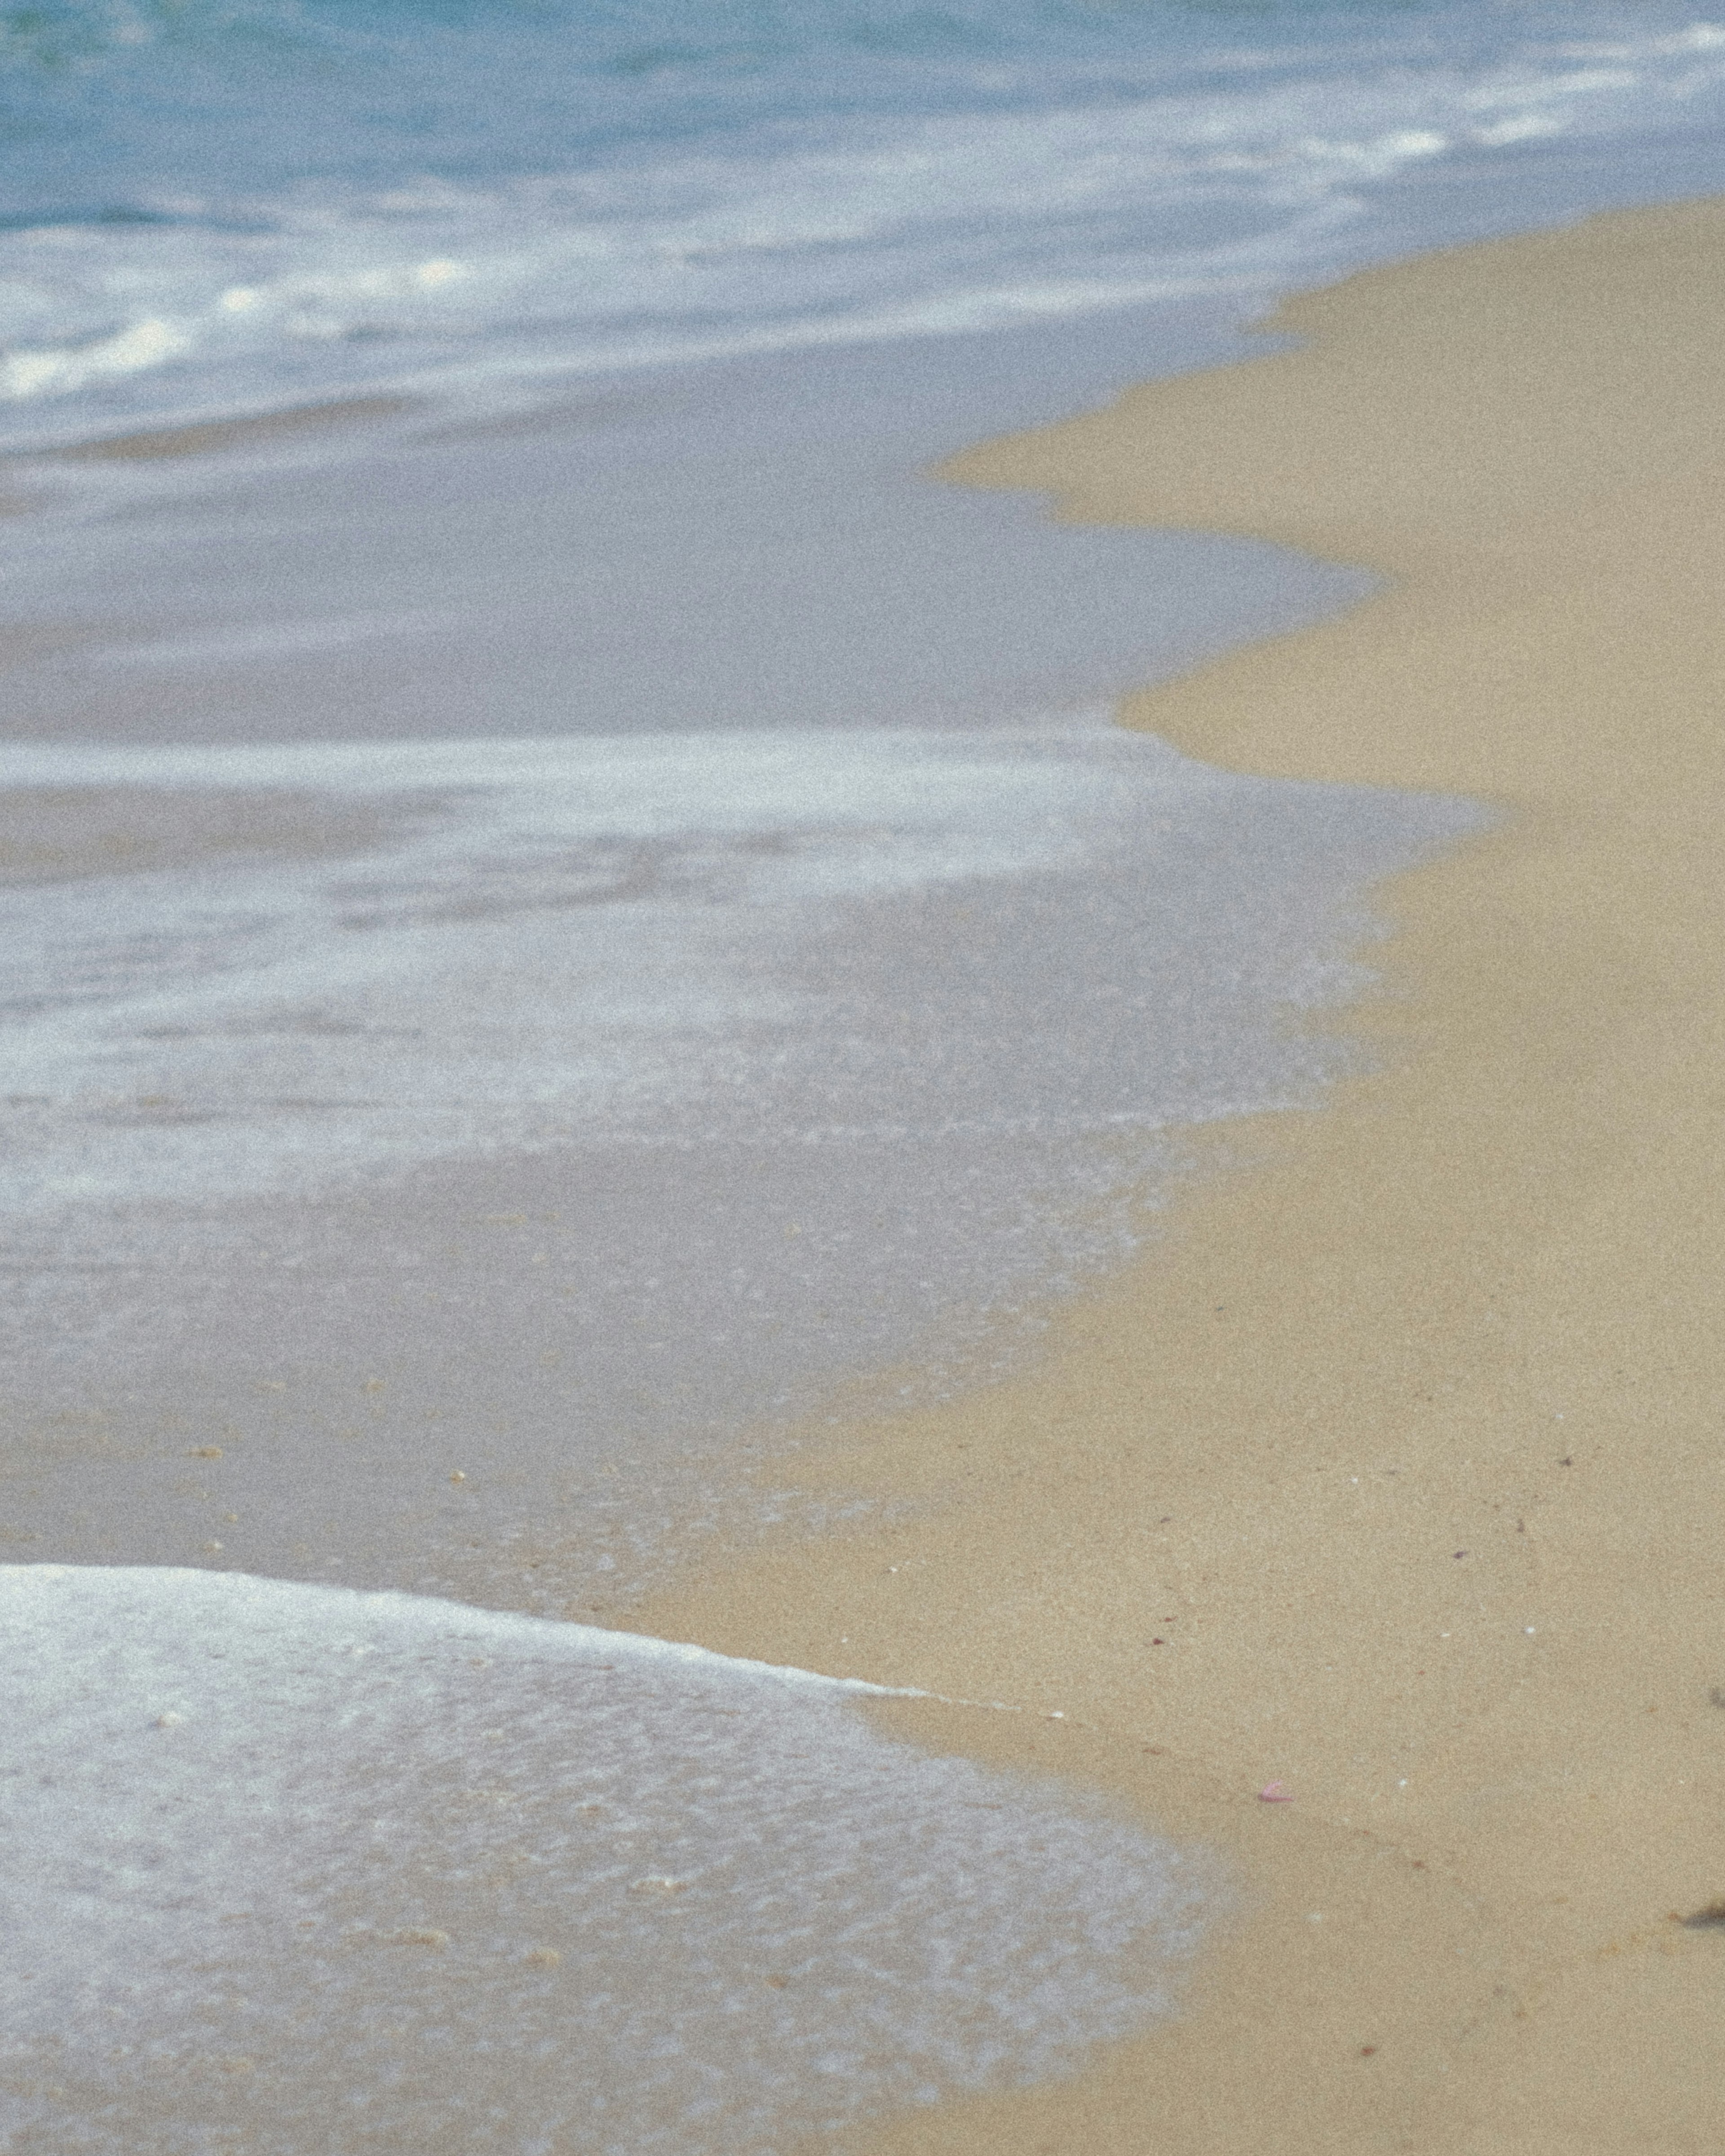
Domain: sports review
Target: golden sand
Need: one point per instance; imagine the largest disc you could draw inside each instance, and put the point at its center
(1408, 1441)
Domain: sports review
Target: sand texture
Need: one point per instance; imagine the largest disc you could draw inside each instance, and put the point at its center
(1395, 1474)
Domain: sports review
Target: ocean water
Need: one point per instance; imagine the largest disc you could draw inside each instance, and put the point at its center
(571, 916)
(213, 205)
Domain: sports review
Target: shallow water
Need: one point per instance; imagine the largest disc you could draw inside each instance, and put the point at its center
(366, 1873)
(619, 1094)
(671, 939)
(427, 1161)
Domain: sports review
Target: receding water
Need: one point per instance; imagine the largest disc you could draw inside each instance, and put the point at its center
(682, 1076)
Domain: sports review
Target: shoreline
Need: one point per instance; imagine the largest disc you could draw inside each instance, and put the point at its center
(1390, 1474)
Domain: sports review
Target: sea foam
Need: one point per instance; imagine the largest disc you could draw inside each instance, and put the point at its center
(347, 1871)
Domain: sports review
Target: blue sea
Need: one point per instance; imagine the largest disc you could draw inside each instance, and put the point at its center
(210, 207)
(575, 919)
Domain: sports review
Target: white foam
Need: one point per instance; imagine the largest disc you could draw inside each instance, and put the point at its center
(564, 937)
(142, 345)
(335, 1871)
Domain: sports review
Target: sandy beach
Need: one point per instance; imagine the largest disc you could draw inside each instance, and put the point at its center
(1388, 1482)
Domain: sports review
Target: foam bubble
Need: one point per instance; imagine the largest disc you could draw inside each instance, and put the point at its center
(53, 371)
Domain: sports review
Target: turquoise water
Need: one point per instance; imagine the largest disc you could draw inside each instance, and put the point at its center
(206, 207)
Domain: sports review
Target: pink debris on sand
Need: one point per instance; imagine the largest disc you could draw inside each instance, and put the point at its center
(1273, 1793)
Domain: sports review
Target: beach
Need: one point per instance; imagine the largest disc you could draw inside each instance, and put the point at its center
(1385, 1484)
(854, 1046)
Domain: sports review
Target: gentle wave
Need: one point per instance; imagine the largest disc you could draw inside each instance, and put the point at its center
(269, 1842)
(762, 211)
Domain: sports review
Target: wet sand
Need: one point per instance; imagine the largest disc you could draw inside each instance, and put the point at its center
(1391, 1476)
(212, 437)
(49, 834)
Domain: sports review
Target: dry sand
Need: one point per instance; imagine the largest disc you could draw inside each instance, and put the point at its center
(1406, 1444)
